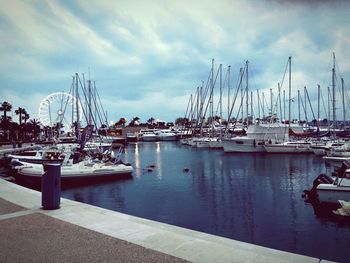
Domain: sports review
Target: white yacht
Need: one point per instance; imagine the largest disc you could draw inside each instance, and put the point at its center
(166, 135)
(257, 136)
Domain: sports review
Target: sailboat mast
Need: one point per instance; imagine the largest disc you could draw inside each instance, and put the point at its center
(257, 91)
(89, 102)
(279, 99)
(343, 98)
(333, 92)
(247, 98)
(299, 106)
(318, 103)
(284, 105)
(271, 103)
(228, 92)
(77, 104)
(290, 89)
(220, 93)
(329, 106)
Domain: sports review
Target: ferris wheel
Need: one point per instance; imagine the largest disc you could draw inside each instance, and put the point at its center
(60, 107)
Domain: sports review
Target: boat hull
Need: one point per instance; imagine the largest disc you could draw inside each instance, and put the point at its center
(72, 174)
(243, 145)
(277, 148)
(330, 193)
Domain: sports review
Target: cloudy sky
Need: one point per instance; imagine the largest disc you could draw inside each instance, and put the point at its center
(147, 57)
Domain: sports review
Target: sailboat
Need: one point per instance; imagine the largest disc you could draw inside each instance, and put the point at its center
(300, 146)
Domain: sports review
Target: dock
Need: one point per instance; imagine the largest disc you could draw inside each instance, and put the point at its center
(78, 232)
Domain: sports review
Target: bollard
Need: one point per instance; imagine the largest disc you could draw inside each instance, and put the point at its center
(51, 186)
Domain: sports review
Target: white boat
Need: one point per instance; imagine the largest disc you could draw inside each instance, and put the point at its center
(332, 193)
(81, 170)
(257, 136)
(340, 151)
(321, 149)
(216, 143)
(328, 189)
(335, 161)
(243, 144)
(166, 135)
(148, 136)
(289, 147)
(46, 155)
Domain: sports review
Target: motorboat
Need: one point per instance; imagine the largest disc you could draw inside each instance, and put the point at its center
(70, 170)
(148, 136)
(44, 155)
(256, 137)
(331, 189)
(321, 149)
(166, 135)
(335, 161)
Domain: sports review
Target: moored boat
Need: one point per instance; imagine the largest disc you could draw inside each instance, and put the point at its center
(331, 189)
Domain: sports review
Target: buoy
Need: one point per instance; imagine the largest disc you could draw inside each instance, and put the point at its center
(149, 169)
(186, 169)
(151, 166)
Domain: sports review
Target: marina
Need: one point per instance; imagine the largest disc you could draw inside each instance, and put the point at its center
(250, 197)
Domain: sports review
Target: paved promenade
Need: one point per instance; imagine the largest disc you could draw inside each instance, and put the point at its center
(78, 232)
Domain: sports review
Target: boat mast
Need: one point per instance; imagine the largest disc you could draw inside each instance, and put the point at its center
(228, 92)
(247, 98)
(318, 104)
(77, 104)
(329, 107)
(333, 92)
(299, 106)
(290, 88)
(257, 91)
(284, 105)
(343, 98)
(271, 104)
(251, 105)
(279, 99)
(263, 104)
(89, 102)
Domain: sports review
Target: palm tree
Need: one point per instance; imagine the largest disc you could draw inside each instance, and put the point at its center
(121, 122)
(35, 125)
(151, 121)
(21, 113)
(134, 121)
(25, 118)
(5, 107)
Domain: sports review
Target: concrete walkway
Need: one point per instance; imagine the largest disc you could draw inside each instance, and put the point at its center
(79, 232)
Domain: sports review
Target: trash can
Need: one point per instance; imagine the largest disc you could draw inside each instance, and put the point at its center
(51, 186)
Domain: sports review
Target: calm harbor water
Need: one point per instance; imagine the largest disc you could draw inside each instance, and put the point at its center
(254, 198)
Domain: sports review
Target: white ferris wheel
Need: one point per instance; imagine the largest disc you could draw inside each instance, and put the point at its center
(60, 107)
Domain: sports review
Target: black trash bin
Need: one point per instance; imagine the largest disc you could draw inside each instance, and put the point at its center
(51, 186)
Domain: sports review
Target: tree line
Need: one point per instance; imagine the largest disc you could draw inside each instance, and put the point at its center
(24, 130)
